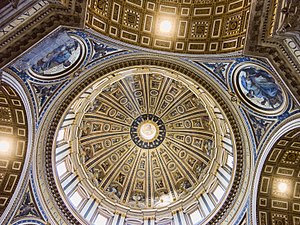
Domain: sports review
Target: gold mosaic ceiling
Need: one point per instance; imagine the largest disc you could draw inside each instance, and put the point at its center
(198, 26)
(278, 199)
(147, 138)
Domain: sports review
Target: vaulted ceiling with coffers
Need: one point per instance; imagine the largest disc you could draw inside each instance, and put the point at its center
(197, 26)
(278, 198)
(13, 142)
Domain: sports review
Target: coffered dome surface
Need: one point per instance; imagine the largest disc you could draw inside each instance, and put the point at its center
(146, 140)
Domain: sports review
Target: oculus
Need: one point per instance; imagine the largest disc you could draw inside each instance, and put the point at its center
(148, 131)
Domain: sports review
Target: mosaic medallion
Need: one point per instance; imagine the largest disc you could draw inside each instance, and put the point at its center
(54, 57)
(258, 88)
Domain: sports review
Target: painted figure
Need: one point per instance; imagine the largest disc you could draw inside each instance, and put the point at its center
(261, 84)
(55, 54)
(59, 56)
(28, 208)
(101, 50)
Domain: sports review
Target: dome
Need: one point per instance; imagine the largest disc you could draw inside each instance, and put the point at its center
(147, 140)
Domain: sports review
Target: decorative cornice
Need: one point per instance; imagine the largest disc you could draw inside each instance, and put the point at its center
(263, 40)
(16, 41)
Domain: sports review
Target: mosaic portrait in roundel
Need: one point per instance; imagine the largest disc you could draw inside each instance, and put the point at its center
(259, 88)
(53, 57)
(58, 59)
